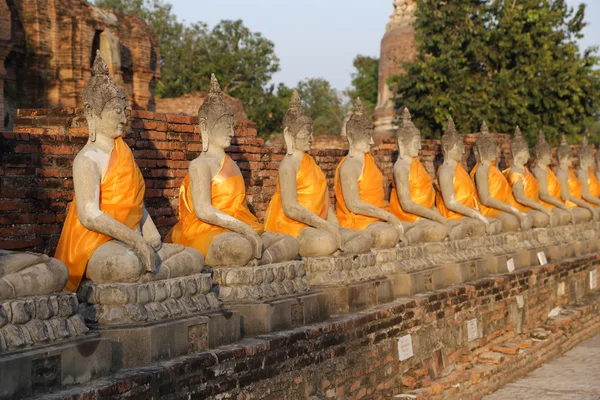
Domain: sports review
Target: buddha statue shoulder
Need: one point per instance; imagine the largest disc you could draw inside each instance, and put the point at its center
(590, 187)
(413, 196)
(359, 186)
(300, 206)
(108, 236)
(456, 199)
(570, 186)
(525, 188)
(213, 214)
(493, 190)
(549, 186)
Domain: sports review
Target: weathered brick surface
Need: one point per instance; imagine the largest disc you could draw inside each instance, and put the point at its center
(356, 356)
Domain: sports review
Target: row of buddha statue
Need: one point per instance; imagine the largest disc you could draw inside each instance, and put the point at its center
(108, 235)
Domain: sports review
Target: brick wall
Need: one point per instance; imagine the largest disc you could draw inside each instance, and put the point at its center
(36, 178)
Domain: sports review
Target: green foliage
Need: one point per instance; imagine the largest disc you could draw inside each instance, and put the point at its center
(507, 62)
(364, 82)
(323, 104)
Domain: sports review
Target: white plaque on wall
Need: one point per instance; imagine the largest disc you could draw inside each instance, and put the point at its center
(510, 264)
(593, 279)
(472, 331)
(520, 301)
(542, 258)
(561, 289)
(405, 349)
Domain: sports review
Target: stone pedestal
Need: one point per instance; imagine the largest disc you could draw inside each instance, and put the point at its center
(271, 297)
(157, 320)
(464, 271)
(410, 283)
(45, 345)
(353, 282)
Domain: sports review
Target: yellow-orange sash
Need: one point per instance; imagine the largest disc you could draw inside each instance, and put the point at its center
(574, 188)
(531, 187)
(370, 190)
(311, 186)
(227, 194)
(593, 184)
(554, 189)
(499, 189)
(121, 197)
(464, 192)
(421, 192)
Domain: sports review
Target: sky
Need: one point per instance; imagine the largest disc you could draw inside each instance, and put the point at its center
(320, 38)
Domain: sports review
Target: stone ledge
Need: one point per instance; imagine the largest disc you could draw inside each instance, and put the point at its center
(342, 269)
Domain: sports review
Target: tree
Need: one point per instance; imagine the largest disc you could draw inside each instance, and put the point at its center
(365, 81)
(508, 62)
(323, 104)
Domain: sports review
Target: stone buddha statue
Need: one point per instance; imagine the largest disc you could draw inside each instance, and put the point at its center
(456, 199)
(549, 187)
(570, 186)
(413, 196)
(590, 189)
(300, 206)
(108, 236)
(597, 158)
(213, 213)
(525, 188)
(493, 190)
(24, 274)
(359, 186)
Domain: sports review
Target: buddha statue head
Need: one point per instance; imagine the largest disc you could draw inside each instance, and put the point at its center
(297, 127)
(453, 146)
(519, 148)
(564, 154)
(543, 152)
(586, 153)
(216, 118)
(409, 136)
(485, 146)
(359, 131)
(104, 103)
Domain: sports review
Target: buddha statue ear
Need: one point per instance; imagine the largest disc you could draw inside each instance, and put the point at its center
(204, 134)
(289, 140)
(350, 148)
(401, 149)
(89, 112)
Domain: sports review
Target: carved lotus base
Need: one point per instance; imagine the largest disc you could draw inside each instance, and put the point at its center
(135, 303)
(39, 320)
(342, 270)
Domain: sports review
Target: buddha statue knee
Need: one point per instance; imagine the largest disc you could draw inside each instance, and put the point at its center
(107, 212)
(571, 189)
(590, 187)
(300, 205)
(525, 187)
(30, 274)
(456, 199)
(213, 213)
(493, 190)
(413, 196)
(358, 186)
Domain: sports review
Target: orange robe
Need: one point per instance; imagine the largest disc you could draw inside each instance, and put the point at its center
(499, 189)
(227, 194)
(593, 184)
(421, 192)
(464, 192)
(553, 188)
(574, 189)
(121, 197)
(370, 190)
(531, 187)
(311, 187)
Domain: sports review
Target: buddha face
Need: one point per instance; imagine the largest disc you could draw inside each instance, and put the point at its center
(521, 157)
(457, 151)
(363, 143)
(222, 131)
(112, 119)
(566, 161)
(544, 157)
(304, 137)
(414, 145)
(585, 160)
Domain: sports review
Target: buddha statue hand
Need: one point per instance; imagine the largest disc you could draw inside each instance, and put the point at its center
(256, 241)
(398, 225)
(146, 254)
(155, 241)
(335, 232)
(526, 221)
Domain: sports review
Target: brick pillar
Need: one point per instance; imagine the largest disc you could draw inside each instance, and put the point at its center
(5, 47)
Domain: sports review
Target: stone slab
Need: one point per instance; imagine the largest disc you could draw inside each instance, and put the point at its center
(282, 314)
(358, 296)
(44, 369)
(224, 327)
(413, 282)
(460, 272)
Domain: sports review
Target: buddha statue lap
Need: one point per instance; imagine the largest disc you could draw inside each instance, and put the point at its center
(590, 189)
(412, 198)
(525, 188)
(456, 199)
(213, 213)
(549, 186)
(359, 186)
(300, 206)
(108, 236)
(493, 190)
(571, 187)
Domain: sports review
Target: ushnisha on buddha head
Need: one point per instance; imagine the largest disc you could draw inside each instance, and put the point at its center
(215, 118)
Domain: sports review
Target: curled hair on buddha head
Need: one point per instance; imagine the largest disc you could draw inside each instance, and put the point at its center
(518, 143)
(585, 151)
(486, 144)
(407, 129)
(541, 146)
(563, 149)
(213, 108)
(99, 90)
(450, 137)
(295, 118)
(358, 126)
